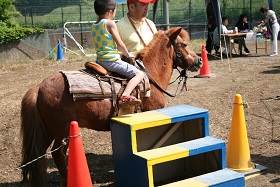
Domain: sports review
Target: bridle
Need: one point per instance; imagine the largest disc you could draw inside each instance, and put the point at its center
(183, 74)
(180, 57)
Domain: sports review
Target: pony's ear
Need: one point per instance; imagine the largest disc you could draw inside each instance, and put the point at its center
(175, 33)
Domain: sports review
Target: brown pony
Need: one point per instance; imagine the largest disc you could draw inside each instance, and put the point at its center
(48, 108)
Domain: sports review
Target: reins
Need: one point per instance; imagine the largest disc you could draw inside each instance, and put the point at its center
(183, 74)
(178, 55)
(151, 78)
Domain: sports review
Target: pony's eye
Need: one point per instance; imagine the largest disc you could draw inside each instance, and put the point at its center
(183, 44)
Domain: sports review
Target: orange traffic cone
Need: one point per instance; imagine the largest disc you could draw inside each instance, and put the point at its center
(78, 172)
(204, 70)
(238, 151)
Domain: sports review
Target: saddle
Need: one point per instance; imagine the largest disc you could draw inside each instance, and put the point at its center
(96, 83)
(96, 67)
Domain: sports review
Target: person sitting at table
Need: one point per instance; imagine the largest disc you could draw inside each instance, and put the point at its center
(224, 41)
(243, 26)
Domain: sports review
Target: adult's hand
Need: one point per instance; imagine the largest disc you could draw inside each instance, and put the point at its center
(130, 60)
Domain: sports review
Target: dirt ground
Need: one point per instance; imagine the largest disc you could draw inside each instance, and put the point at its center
(255, 77)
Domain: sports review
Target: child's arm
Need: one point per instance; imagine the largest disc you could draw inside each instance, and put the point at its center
(112, 29)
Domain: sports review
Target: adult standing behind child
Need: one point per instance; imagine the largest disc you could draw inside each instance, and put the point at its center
(272, 21)
(107, 44)
(135, 30)
(243, 26)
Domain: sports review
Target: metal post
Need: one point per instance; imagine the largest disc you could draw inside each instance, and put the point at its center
(123, 9)
(62, 13)
(31, 16)
(166, 13)
(25, 20)
(270, 4)
(250, 19)
(190, 9)
(224, 7)
(81, 25)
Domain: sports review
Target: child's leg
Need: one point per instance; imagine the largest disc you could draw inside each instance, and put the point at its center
(133, 83)
(127, 70)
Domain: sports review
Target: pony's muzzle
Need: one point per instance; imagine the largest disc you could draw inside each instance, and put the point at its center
(197, 64)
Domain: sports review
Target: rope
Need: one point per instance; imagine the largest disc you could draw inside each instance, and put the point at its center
(65, 140)
(246, 105)
(48, 153)
(48, 54)
(63, 143)
(75, 136)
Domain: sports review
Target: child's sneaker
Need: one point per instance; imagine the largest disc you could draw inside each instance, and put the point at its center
(129, 100)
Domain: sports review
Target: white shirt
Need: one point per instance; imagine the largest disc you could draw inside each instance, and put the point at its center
(271, 17)
(224, 30)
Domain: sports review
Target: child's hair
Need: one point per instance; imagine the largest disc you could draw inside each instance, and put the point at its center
(264, 9)
(103, 6)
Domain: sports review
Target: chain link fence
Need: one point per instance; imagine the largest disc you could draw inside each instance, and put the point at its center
(189, 14)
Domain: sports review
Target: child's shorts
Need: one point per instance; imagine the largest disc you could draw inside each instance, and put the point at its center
(120, 67)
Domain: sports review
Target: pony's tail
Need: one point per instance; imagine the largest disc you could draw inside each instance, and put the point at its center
(34, 141)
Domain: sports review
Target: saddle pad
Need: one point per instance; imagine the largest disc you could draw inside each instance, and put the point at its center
(82, 86)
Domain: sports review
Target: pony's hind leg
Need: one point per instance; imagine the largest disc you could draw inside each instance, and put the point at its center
(34, 141)
(59, 157)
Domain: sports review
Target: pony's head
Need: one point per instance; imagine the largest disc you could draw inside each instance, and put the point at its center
(183, 56)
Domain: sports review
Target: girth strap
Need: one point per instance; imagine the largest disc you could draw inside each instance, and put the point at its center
(114, 96)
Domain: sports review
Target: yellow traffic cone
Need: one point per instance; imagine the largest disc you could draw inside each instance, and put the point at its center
(238, 151)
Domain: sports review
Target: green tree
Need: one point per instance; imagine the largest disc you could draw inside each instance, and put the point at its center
(7, 13)
(9, 29)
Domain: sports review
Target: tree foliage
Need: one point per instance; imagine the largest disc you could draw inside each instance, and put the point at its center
(48, 2)
(7, 13)
(9, 29)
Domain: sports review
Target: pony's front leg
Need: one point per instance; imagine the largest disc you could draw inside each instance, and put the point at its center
(59, 157)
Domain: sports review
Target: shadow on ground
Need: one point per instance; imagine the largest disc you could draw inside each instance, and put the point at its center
(100, 167)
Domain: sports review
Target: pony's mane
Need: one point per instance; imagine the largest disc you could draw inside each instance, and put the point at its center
(157, 39)
(158, 55)
(160, 39)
